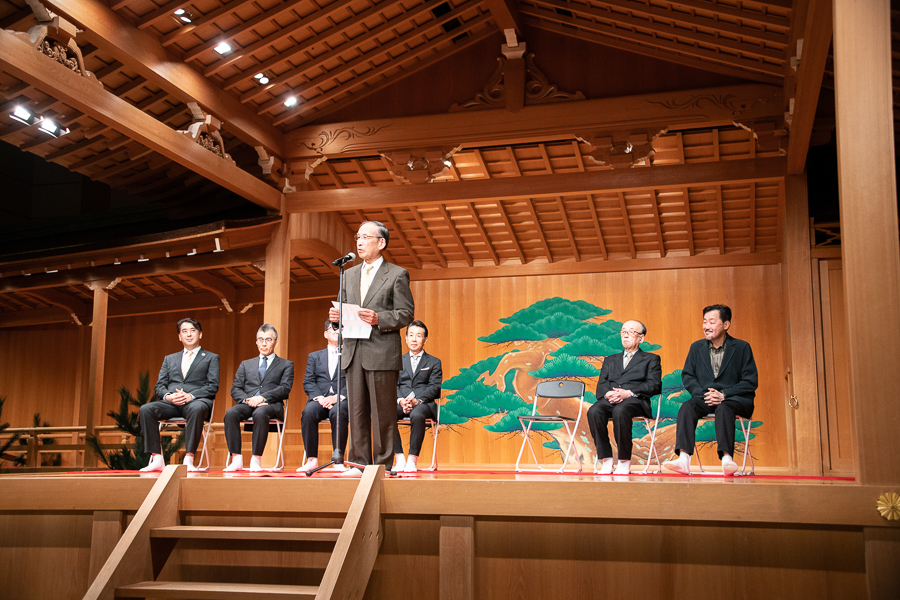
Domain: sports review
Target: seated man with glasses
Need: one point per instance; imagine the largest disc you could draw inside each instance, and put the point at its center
(627, 382)
(261, 385)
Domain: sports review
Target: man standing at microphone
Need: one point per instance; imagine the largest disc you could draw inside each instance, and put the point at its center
(372, 364)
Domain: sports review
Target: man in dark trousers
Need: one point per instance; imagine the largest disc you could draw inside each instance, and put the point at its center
(186, 387)
(627, 382)
(321, 386)
(372, 363)
(417, 389)
(261, 385)
(721, 376)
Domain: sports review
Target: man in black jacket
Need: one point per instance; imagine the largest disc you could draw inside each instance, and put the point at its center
(261, 385)
(721, 376)
(418, 386)
(627, 382)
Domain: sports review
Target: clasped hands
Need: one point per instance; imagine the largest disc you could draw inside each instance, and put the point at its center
(713, 397)
(616, 395)
(327, 401)
(255, 401)
(179, 397)
(408, 403)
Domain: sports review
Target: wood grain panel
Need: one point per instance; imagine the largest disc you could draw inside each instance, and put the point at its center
(35, 545)
(457, 313)
(838, 430)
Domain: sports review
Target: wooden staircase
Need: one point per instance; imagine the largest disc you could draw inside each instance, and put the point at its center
(134, 567)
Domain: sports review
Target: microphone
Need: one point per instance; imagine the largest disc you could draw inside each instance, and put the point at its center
(344, 260)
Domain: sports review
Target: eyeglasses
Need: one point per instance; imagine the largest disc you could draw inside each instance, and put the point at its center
(366, 237)
(630, 333)
(265, 340)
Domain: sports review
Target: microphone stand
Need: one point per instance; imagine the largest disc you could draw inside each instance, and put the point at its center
(337, 458)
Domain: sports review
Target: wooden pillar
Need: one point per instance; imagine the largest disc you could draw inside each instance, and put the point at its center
(869, 237)
(105, 533)
(871, 258)
(277, 300)
(98, 360)
(278, 282)
(457, 558)
(803, 412)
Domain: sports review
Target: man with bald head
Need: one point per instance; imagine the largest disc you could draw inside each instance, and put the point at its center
(627, 382)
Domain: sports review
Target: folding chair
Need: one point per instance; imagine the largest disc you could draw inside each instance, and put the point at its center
(564, 388)
(650, 423)
(180, 421)
(434, 424)
(746, 427)
(279, 427)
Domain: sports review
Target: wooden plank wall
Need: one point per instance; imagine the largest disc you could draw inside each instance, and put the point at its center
(457, 313)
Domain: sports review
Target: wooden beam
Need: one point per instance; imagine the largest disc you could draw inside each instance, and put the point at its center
(76, 309)
(218, 286)
(19, 59)
(143, 53)
(816, 43)
(537, 186)
(708, 107)
(506, 15)
(182, 264)
(622, 264)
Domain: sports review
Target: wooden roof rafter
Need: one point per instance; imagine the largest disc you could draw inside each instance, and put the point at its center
(476, 29)
(451, 227)
(479, 226)
(428, 236)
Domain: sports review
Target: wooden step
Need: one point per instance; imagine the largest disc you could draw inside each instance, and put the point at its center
(200, 590)
(217, 532)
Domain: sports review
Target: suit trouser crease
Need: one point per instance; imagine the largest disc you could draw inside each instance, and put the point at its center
(194, 413)
(689, 415)
(373, 416)
(261, 416)
(313, 414)
(417, 417)
(621, 414)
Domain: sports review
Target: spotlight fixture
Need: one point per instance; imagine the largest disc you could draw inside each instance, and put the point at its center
(192, 252)
(223, 48)
(258, 76)
(23, 115)
(183, 15)
(142, 259)
(48, 126)
(261, 78)
(291, 102)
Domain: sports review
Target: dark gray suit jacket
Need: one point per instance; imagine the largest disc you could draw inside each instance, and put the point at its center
(738, 377)
(317, 380)
(201, 381)
(276, 384)
(389, 296)
(426, 382)
(643, 376)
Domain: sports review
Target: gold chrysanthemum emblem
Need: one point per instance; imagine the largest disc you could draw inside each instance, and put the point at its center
(889, 506)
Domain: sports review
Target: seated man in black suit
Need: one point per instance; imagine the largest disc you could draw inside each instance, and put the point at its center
(721, 376)
(320, 384)
(627, 382)
(418, 386)
(261, 385)
(186, 387)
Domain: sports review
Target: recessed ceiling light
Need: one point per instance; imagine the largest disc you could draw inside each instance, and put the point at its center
(223, 48)
(290, 102)
(258, 76)
(263, 80)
